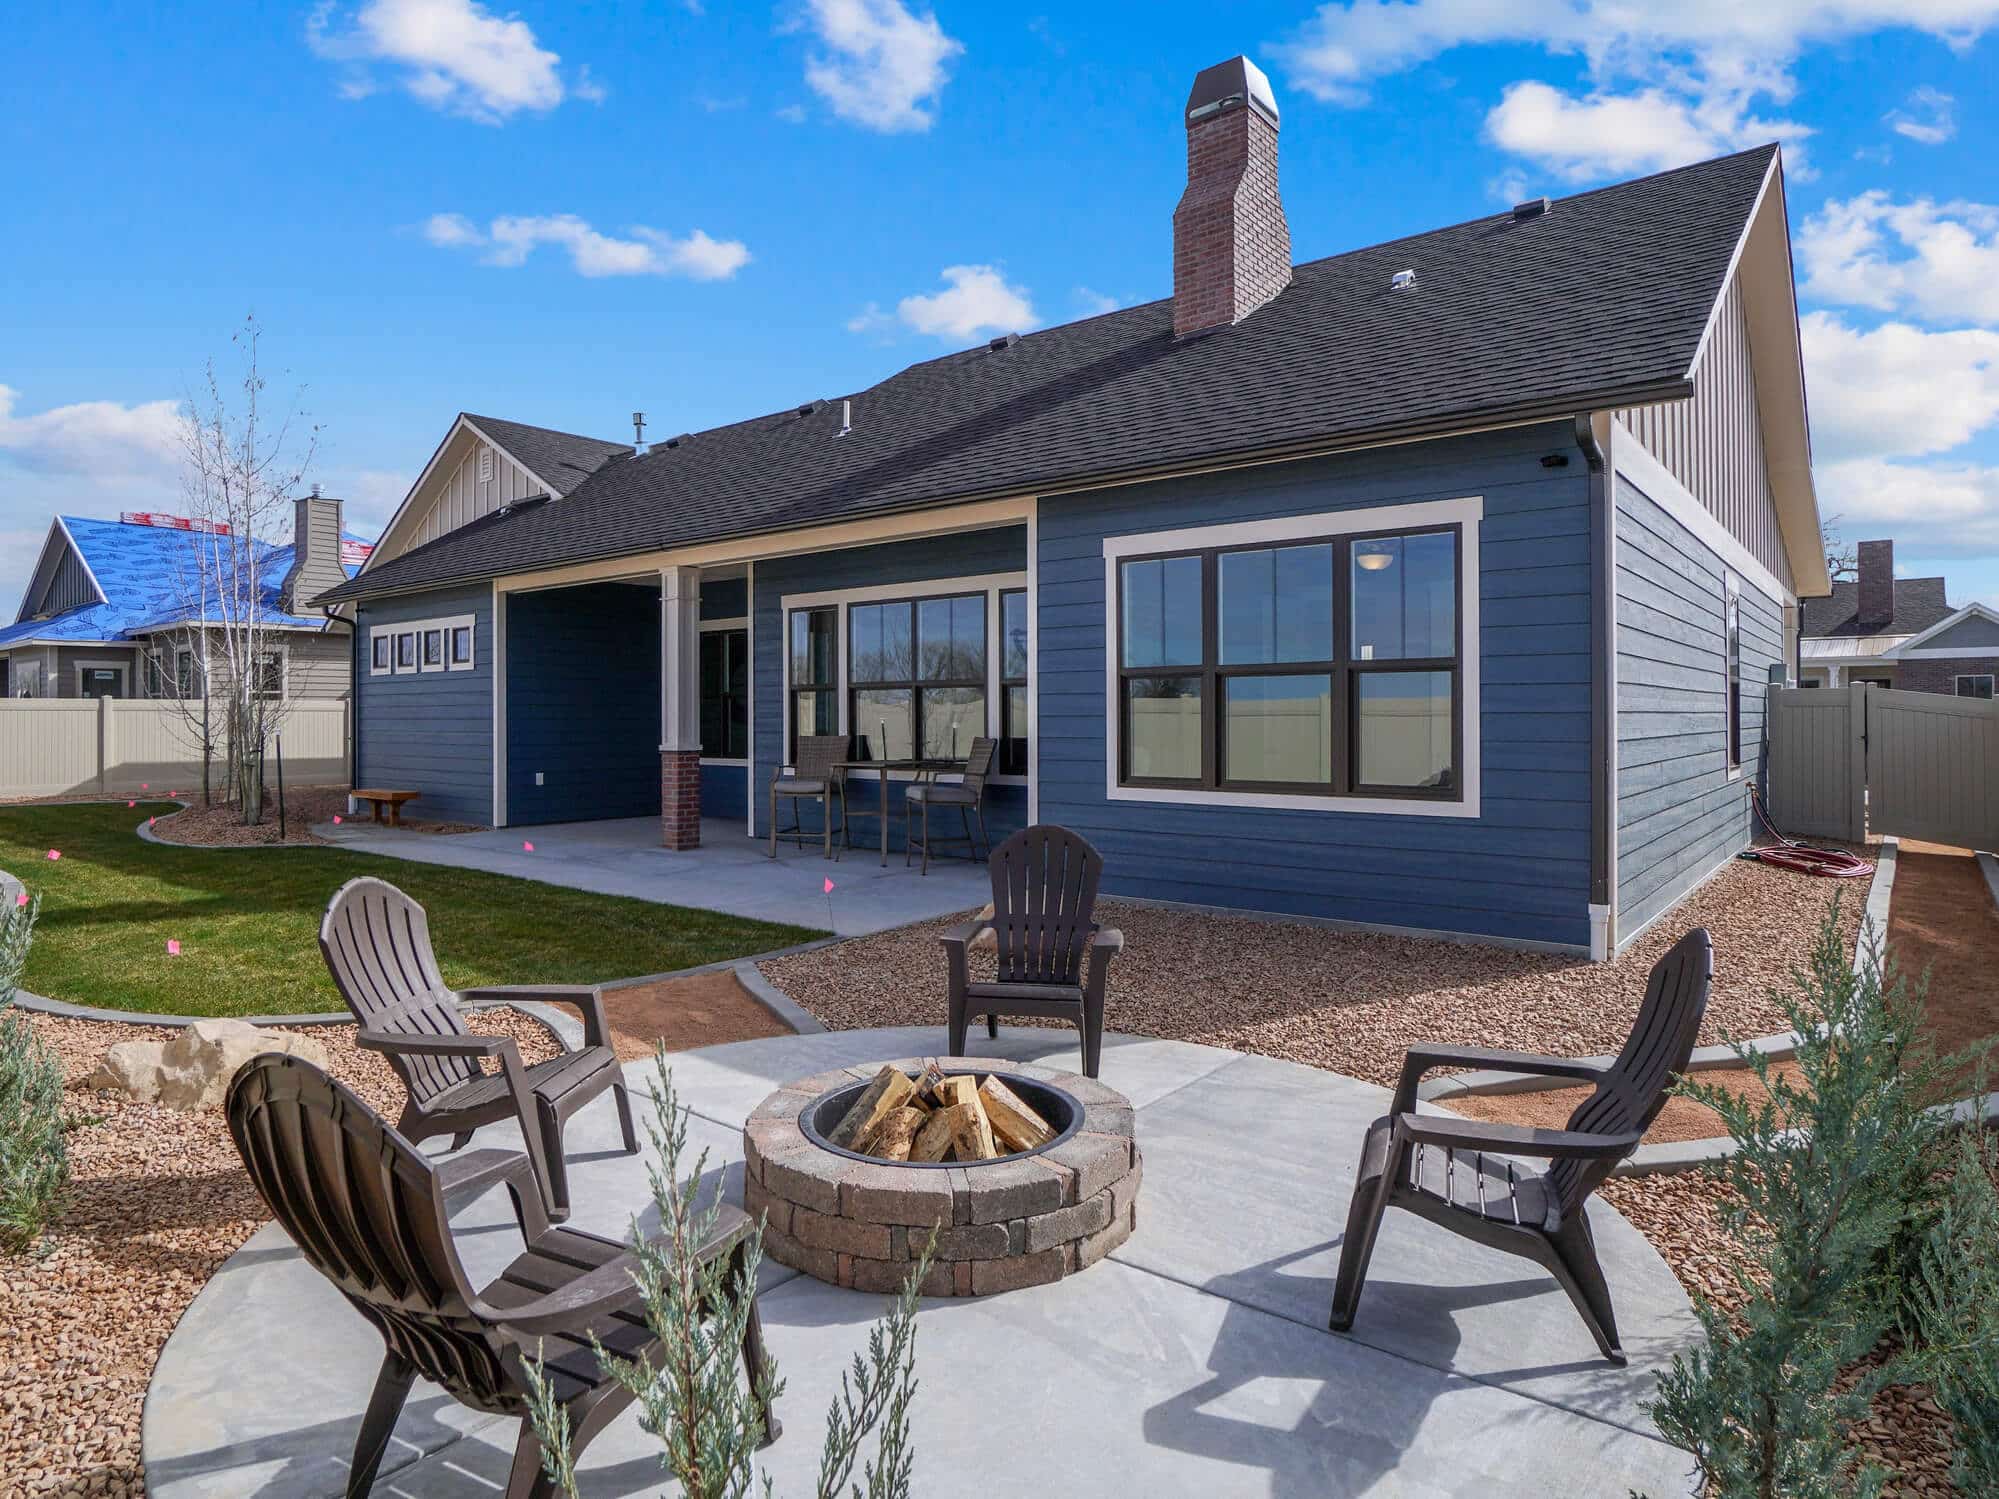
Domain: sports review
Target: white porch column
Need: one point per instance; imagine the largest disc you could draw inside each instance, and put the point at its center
(680, 707)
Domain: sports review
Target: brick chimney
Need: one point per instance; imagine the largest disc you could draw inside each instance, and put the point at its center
(1231, 245)
(1877, 583)
(316, 560)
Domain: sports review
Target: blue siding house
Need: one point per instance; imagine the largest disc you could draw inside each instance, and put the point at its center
(1429, 587)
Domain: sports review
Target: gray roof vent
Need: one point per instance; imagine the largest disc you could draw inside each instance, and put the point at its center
(1004, 342)
(1403, 281)
(1533, 208)
(674, 442)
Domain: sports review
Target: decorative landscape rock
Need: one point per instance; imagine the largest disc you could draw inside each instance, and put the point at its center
(192, 1071)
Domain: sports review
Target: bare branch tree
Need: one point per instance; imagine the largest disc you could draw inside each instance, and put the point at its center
(241, 466)
(1842, 557)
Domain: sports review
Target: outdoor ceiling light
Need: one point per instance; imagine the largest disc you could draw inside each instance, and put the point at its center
(1375, 559)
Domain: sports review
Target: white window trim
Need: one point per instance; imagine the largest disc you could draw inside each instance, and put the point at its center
(418, 628)
(716, 626)
(284, 673)
(123, 668)
(1731, 594)
(1464, 513)
(992, 585)
(1975, 676)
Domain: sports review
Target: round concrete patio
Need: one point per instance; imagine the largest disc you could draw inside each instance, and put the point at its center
(1194, 1360)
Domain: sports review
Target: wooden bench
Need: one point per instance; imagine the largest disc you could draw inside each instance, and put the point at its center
(379, 799)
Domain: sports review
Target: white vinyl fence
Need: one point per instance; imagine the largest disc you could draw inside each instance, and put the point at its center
(59, 746)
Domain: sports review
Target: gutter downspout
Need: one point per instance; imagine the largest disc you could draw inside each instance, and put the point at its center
(1603, 676)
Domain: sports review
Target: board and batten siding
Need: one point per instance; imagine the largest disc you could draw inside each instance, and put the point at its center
(938, 558)
(1520, 869)
(458, 496)
(430, 732)
(1680, 812)
(69, 585)
(1713, 442)
(583, 703)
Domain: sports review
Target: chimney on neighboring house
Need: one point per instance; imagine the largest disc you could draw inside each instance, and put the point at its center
(1877, 583)
(316, 555)
(1231, 245)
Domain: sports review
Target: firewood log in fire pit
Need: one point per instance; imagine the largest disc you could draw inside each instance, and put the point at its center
(938, 1117)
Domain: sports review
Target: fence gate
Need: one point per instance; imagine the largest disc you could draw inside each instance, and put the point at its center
(1907, 764)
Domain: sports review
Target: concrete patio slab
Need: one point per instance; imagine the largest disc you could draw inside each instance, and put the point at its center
(728, 873)
(1194, 1361)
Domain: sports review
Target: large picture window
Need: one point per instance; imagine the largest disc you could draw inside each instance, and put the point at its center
(725, 694)
(1318, 666)
(815, 649)
(917, 671)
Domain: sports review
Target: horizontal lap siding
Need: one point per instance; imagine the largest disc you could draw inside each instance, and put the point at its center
(1679, 813)
(1519, 870)
(431, 732)
(583, 703)
(940, 559)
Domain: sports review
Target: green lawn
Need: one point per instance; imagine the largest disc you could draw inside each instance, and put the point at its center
(248, 920)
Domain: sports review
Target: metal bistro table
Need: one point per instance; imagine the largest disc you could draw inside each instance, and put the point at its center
(922, 767)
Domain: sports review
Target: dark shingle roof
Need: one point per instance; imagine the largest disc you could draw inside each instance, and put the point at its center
(1601, 302)
(1919, 603)
(562, 460)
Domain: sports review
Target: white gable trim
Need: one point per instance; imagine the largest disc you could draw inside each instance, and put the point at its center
(44, 573)
(1913, 649)
(410, 512)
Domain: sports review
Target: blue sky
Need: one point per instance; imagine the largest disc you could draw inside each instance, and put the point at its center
(559, 214)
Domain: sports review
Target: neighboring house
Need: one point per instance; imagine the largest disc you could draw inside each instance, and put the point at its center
(1850, 634)
(111, 609)
(1432, 586)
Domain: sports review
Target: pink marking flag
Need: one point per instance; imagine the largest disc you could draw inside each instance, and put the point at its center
(131, 804)
(54, 854)
(336, 819)
(527, 847)
(21, 898)
(150, 821)
(145, 785)
(829, 887)
(173, 947)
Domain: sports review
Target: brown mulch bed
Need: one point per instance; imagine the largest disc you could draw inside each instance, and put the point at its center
(703, 1009)
(1353, 1002)
(158, 1201)
(1943, 925)
(222, 826)
(1681, 1119)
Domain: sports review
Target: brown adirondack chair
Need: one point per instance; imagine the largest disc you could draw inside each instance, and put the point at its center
(1044, 904)
(367, 1210)
(377, 946)
(1454, 1172)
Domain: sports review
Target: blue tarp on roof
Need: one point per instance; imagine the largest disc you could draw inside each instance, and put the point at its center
(146, 573)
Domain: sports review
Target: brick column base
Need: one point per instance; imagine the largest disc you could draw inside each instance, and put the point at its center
(680, 799)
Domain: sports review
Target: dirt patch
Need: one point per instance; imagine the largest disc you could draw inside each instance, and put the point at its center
(703, 1009)
(1354, 1002)
(1942, 924)
(1681, 1119)
(222, 826)
(159, 1199)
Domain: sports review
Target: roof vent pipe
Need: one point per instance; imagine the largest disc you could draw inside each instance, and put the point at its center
(1403, 281)
(639, 431)
(846, 417)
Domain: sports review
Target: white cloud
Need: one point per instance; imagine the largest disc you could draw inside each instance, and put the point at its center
(1931, 509)
(454, 55)
(1937, 260)
(1667, 84)
(976, 300)
(511, 238)
(587, 88)
(1897, 391)
(878, 64)
(1931, 117)
(1095, 302)
(369, 497)
(92, 438)
(792, 114)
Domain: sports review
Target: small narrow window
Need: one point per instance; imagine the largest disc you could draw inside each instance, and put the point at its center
(1013, 682)
(815, 694)
(1734, 628)
(1979, 686)
(187, 676)
(380, 646)
(433, 650)
(268, 675)
(725, 700)
(461, 647)
(406, 651)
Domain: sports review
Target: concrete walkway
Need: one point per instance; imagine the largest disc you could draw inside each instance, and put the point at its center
(1194, 1361)
(728, 873)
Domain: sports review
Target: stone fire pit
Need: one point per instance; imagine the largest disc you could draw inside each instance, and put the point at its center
(1020, 1220)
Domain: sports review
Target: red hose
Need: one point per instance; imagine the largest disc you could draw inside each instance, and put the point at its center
(1788, 853)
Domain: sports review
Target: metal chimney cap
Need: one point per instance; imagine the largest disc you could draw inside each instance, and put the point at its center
(1228, 84)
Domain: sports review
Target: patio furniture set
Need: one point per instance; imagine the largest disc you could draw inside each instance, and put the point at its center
(368, 1210)
(824, 766)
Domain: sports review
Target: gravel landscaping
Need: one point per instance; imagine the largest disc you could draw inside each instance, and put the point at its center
(221, 826)
(1353, 1002)
(159, 1200)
